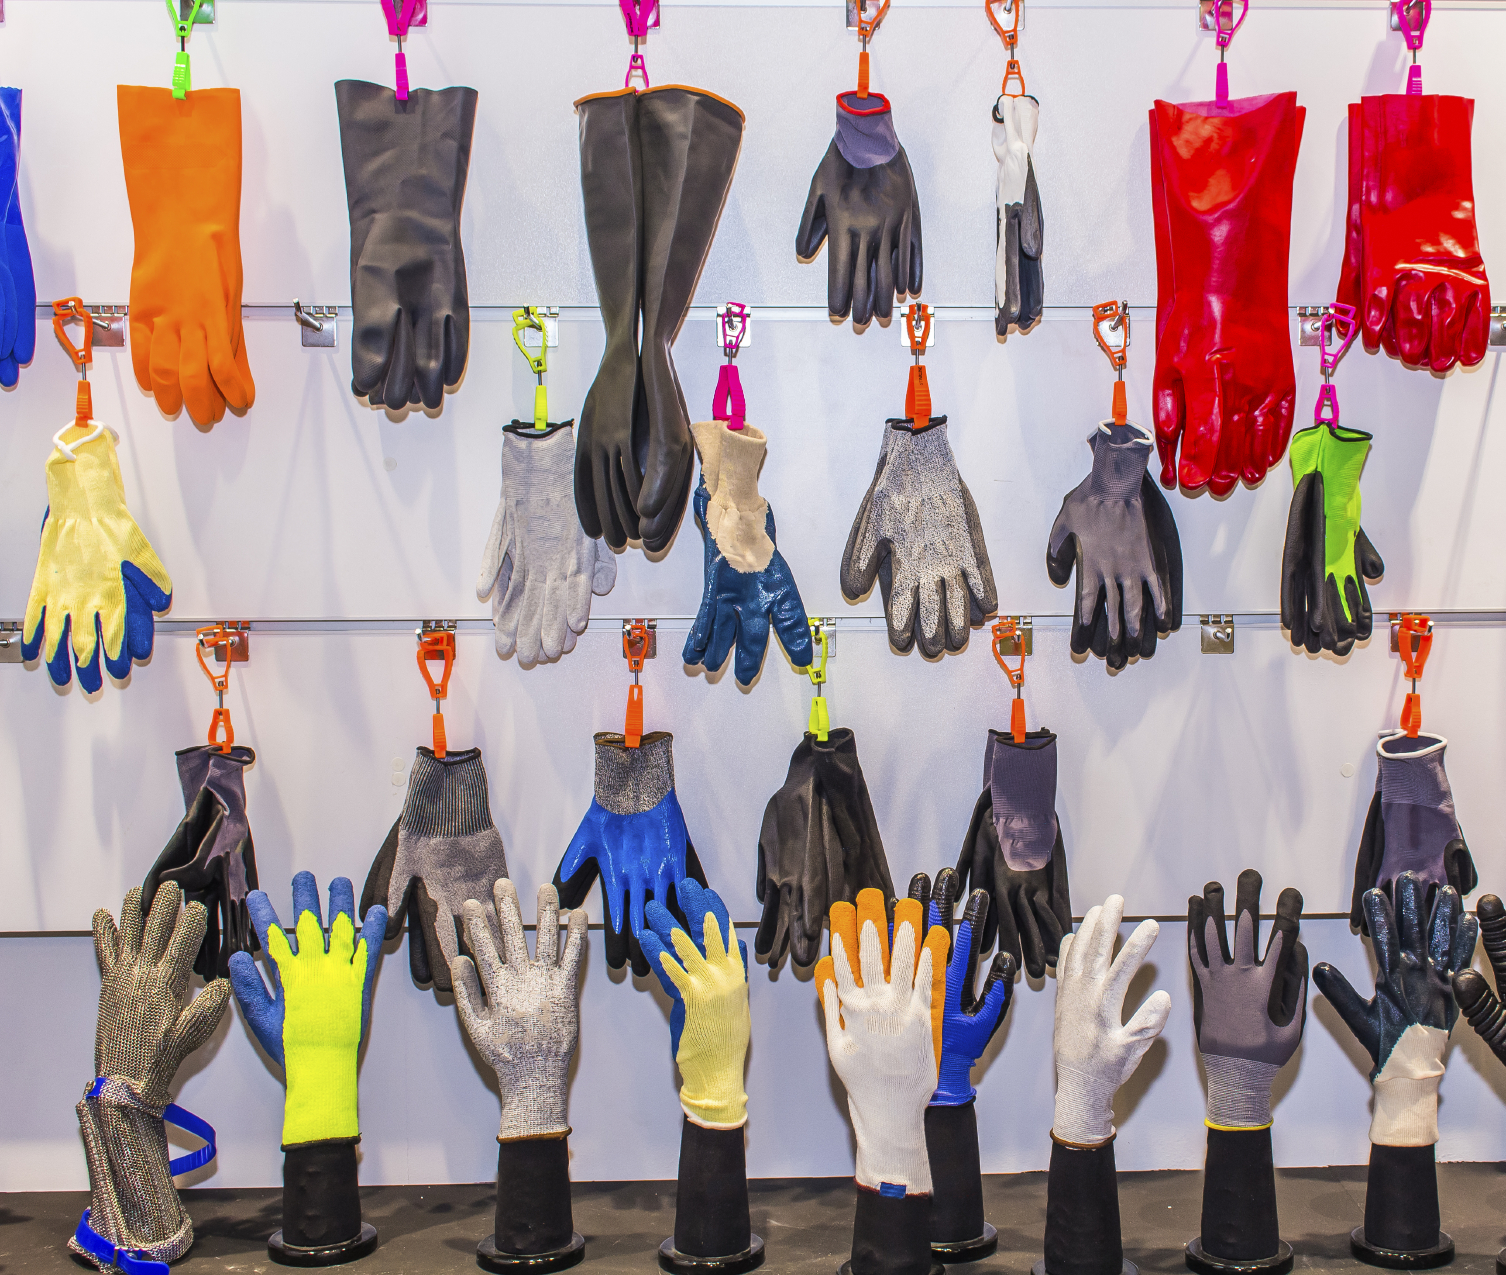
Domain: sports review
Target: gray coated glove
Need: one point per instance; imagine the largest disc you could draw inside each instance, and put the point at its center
(145, 1032)
(1019, 286)
(1404, 1027)
(1116, 530)
(527, 1025)
(540, 568)
(917, 533)
(1096, 1050)
(1248, 1013)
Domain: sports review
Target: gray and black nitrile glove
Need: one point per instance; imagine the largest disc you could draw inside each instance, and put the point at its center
(1019, 286)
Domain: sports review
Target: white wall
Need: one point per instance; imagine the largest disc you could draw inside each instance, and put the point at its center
(316, 509)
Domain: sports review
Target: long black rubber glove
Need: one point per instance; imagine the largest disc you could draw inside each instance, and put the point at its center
(863, 198)
(1478, 1003)
(405, 171)
(819, 845)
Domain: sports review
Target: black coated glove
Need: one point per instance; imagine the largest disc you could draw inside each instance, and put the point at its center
(819, 845)
(405, 170)
(1013, 849)
(863, 196)
(1412, 826)
(1327, 557)
(1473, 993)
(1019, 287)
(1116, 529)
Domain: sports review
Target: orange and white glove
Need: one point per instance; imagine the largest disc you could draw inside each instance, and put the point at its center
(883, 1034)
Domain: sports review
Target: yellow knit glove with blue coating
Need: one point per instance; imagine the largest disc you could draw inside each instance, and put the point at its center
(314, 1018)
(709, 1025)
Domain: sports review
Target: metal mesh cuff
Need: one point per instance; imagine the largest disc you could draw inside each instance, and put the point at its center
(1239, 1092)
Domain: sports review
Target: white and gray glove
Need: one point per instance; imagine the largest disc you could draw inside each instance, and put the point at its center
(528, 1023)
(540, 568)
(1095, 1051)
(1019, 286)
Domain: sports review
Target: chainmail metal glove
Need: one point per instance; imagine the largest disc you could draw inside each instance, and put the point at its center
(1019, 288)
(144, 1033)
(918, 534)
(1096, 1050)
(1248, 1013)
(1404, 1027)
(540, 568)
(1116, 529)
(705, 971)
(527, 1025)
(882, 1036)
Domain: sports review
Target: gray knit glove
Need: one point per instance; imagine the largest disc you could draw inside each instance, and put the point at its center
(1248, 1013)
(145, 1031)
(540, 568)
(917, 533)
(528, 1023)
(1096, 1050)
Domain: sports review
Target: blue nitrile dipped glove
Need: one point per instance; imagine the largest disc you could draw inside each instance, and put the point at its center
(1405, 1026)
(748, 582)
(968, 1020)
(18, 289)
(705, 973)
(265, 1011)
(634, 838)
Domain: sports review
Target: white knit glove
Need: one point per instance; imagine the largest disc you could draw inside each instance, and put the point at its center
(1095, 1051)
(527, 1026)
(880, 1039)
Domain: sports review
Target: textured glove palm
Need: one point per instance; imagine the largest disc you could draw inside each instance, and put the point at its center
(1404, 1027)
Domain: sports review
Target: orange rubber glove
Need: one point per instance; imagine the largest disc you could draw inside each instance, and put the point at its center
(183, 178)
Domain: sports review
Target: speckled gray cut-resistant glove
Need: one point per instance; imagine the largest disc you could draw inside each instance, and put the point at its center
(540, 568)
(1248, 1013)
(917, 533)
(527, 1025)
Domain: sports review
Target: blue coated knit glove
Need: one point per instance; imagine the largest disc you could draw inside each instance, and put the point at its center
(748, 582)
(18, 289)
(633, 837)
(969, 1020)
(1405, 1026)
(265, 1012)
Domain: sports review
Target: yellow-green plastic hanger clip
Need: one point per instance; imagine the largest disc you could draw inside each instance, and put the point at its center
(181, 25)
(522, 320)
(820, 720)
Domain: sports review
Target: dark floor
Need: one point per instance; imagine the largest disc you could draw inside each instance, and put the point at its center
(805, 1222)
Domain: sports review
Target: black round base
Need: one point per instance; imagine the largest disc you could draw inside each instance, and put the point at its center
(1129, 1268)
(678, 1263)
(325, 1255)
(490, 1258)
(1412, 1259)
(974, 1250)
(846, 1268)
(1205, 1264)
(1501, 1262)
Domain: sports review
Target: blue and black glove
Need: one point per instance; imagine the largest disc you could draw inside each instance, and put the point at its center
(634, 838)
(748, 582)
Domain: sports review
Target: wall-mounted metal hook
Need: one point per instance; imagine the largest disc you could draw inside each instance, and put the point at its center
(1217, 634)
(316, 324)
(109, 325)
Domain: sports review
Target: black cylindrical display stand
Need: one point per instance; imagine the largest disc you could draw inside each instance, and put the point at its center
(713, 1233)
(533, 1229)
(891, 1236)
(321, 1207)
(1241, 1233)
(1082, 1214)
(958, 1231)
(1401, 1212)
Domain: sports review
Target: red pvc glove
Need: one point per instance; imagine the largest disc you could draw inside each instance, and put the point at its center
(1224, 385)
(1419, 284)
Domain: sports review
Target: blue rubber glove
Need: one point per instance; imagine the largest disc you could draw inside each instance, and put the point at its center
(969, 1020)
(1405, 1026)
(18, 289)
(633, 837)
(265, 1011)
(748, 583)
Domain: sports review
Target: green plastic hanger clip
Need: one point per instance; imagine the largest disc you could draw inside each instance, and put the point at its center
(182, 75)
(524, 320)
(820, 719)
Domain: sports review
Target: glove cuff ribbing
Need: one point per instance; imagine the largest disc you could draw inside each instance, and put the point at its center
(1118, 463)
(447, 796)
(1239, 1092)
(1084, 1108)
(630, 781)
(865, 130)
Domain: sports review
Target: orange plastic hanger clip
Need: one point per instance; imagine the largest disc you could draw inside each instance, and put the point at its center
(918, 320)
(1414, 642)
(866, 28)
(65, 311)
(1011, 37)
(1116, 315)
(635, 646)
(438, 645)
(1004, 630)
(228, 642)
